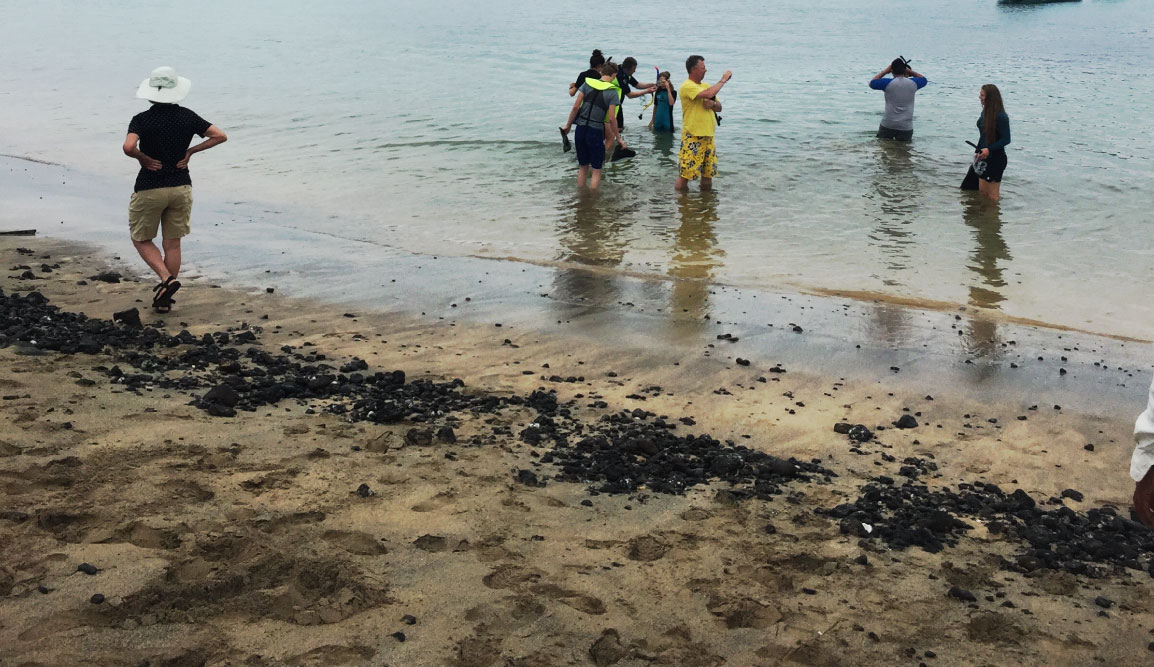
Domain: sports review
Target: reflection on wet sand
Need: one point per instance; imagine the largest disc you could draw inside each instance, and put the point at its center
(590, 235)
(895, 189)
(985, 219)
(695, 260)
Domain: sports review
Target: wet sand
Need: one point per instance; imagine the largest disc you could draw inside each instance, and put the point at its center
(292, 534)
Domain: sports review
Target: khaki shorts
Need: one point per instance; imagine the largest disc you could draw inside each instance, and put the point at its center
(170, 207)
(697, 158)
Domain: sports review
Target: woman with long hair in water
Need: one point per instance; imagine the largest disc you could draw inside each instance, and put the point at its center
(993, 136)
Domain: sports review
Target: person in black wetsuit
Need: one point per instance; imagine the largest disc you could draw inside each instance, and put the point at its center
(993, 136)
(595, 62)
(625, 80)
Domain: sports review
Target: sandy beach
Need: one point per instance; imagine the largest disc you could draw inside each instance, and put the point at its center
(266, 489)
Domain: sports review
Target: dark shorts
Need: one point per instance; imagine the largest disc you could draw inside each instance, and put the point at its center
(620, 118)
(991, 169)
(590, 145)
(900, 135)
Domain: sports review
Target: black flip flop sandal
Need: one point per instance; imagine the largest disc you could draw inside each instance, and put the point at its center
(565, 145)
(162, 301)
(159, 289)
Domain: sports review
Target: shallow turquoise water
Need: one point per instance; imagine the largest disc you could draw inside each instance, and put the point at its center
(433, 129)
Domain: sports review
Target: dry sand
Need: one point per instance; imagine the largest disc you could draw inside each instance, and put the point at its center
(242, 541)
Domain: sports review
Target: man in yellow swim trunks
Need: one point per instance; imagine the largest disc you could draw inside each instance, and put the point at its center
(697, 158)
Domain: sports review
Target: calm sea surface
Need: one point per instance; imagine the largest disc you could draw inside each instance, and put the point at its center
(432, 128)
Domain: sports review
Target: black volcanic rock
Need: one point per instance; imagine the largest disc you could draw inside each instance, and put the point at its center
(106, 277)
(906, 421)
(222, 394)
(961, 594)
(129, 318)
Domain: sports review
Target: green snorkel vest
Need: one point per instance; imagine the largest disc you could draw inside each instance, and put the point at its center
(599, 85)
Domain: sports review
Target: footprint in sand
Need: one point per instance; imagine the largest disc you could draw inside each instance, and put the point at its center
(332, 655)
(361, 544)
(744, 613)
(144, 536)
(579, 601)
(509, 576)
(508, 615)
(432, 543)
(647, 548)
(436, 502)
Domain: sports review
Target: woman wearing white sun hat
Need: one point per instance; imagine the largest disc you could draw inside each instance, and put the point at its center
(159, 139)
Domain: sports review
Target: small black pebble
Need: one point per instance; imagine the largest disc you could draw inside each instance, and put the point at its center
(962, 594)
(399, 636)
(96, 599)
(364, 491)
(409, 619)
(1103, 602)
(587, 503)
(87, 569)
(809, 591)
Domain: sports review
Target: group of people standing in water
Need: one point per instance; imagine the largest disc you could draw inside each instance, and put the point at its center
(600, 92)
(602, 89)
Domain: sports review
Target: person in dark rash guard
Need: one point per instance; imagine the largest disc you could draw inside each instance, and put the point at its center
(595, 62)
(993, 137)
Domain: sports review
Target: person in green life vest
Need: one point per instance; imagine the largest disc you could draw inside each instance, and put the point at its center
(595, 114)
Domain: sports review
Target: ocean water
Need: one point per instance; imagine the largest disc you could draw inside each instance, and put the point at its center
(431, 129)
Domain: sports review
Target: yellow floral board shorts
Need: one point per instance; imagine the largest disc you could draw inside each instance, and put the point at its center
(697, 158)
(169, 209)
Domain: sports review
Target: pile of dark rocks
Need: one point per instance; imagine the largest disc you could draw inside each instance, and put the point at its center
(619, 453)
(1096, 543)
(637, 450)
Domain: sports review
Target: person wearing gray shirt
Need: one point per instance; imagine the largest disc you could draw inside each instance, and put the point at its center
(898, 121)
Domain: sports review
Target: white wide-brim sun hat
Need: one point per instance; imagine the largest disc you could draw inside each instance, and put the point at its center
(164, 85)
